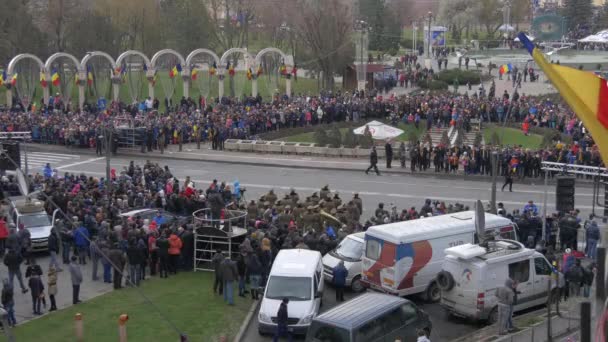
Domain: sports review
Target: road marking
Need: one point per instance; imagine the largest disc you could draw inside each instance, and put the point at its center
(53, 155)
(80, 163)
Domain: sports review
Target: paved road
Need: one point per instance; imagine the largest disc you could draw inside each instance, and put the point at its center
(443, 329)
(402, 190)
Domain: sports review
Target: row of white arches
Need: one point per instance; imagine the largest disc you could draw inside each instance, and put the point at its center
(151, 66)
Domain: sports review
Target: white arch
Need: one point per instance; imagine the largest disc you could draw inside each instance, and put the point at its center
(53, 57)
(196, 52)
(132, 53)
(167, 51)
(89, 55)
(13, 62)
(258, 57)
(248, 57)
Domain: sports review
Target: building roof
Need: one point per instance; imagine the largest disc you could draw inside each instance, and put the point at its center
(433, 227)
(358, 310)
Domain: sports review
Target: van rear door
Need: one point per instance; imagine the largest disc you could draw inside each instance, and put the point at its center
(542, 274)
(379, 264)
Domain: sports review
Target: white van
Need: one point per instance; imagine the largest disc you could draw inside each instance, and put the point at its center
(296, 274)
(472, 273)
(350, 250)
(403, 258)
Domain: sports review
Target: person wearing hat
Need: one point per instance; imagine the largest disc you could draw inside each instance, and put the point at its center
(252, 210)
(358, 202)
(373, 161)
(324, 192)
(340, 273)
(315, 199)
(271, 197)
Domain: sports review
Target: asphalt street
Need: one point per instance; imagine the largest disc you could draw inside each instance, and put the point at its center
(403, 191)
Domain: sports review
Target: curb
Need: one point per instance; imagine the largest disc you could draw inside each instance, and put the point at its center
(247, 321)
(169, 155)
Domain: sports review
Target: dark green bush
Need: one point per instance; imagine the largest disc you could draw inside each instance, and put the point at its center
(433, 85)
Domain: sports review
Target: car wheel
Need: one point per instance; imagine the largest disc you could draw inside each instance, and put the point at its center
(261, 332)
(433, 293)
(356, 285)
(493, 316)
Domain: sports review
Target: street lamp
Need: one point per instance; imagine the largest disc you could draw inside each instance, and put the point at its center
(362, 27)
(428, 47)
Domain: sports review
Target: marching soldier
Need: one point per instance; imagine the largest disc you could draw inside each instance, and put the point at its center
(324, 193)
(252, 210)
(294, 197)
(271, 197)
(308, 219)
(337, 199)
(315, 199)
(358, 202)
(298, 213)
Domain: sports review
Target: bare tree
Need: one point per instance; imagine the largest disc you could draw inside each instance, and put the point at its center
(54, 17)
(230, 22)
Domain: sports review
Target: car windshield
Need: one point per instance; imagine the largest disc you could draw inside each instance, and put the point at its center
(350, 249)
(38, 220)
(294, 288)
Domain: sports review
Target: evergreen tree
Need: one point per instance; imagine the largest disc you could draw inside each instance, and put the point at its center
(335, 137)
(320, 137)
(350, 139)
(385, 29)
(601, 21)
(578, 13)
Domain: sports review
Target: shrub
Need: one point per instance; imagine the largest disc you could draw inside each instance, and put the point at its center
(350, 140)
(335, 137)
(366, 141)
(433, 85)
(321, 137)
(412, 139)
(463, 76)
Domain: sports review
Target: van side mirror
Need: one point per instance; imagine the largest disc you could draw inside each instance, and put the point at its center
(319, 294)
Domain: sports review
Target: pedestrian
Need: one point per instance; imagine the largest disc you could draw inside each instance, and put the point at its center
(13, 261)
(402, 154)
(282, 322)
(254, 271)
(76, 276)
(118, 260)
(504, 295)
(422, 336)
(3, 234)
(81, 240)
(163, 255)
(508, 181)
(388, 149)
(175, 246)
(588, 275)
(67, 240)
(575, 277)
(37, 291)
(217, 260)
(135, 256)
(229, 276)
(241, 267)
(153, 252)
(8, 301)
(52, 284)
(340, 274)
(593, 236)
(25, 241)
(373, 161)
(53, 246)
(95, 254)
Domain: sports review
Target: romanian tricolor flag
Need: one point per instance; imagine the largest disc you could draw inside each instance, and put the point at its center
(260, 71)
(89, 76)
(14, 79)
(118, 70)
(55, 78)
(194, 74)
(213, 69)
(230, 69)
(2, 77)
(155, 78)
(283, 69)
(76, 79)
(249, 74)
(585, 92)
(43, 82)
(173, 72)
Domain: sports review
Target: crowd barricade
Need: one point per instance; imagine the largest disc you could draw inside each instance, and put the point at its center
(307, 149)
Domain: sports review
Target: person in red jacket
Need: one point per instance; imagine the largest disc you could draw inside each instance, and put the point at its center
(175, 246)
(3, 234)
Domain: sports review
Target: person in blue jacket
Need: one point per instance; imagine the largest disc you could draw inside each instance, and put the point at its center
(340, 273)
(48, 171)
(81, 240)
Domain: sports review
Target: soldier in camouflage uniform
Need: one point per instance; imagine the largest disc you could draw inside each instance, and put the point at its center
(324, 193)
(271, 197)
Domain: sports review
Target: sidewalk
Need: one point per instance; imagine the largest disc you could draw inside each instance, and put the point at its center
(191, 153)
(533, 325)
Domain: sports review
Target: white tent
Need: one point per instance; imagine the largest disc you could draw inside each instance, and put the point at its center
(379, 130)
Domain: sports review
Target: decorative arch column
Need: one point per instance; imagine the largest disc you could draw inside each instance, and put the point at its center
(80, 72)
(82, 78)
(248, 61)
(11, 69)
(182, 61)
(188, 67)
(116, 81)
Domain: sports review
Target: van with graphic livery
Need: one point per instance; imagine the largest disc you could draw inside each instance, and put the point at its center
(404, 258)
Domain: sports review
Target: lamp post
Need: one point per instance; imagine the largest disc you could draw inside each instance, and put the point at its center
(414, 35)
(362, 27)
(428, 46)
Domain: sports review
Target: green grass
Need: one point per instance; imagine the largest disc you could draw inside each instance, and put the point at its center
(187, 299)
(265, 88)
(513, 136)
(308, 137)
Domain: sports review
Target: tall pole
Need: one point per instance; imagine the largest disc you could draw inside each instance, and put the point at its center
(108, 170)
(545, 195)
(25, 157)
(493, 209)
(428, 40)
